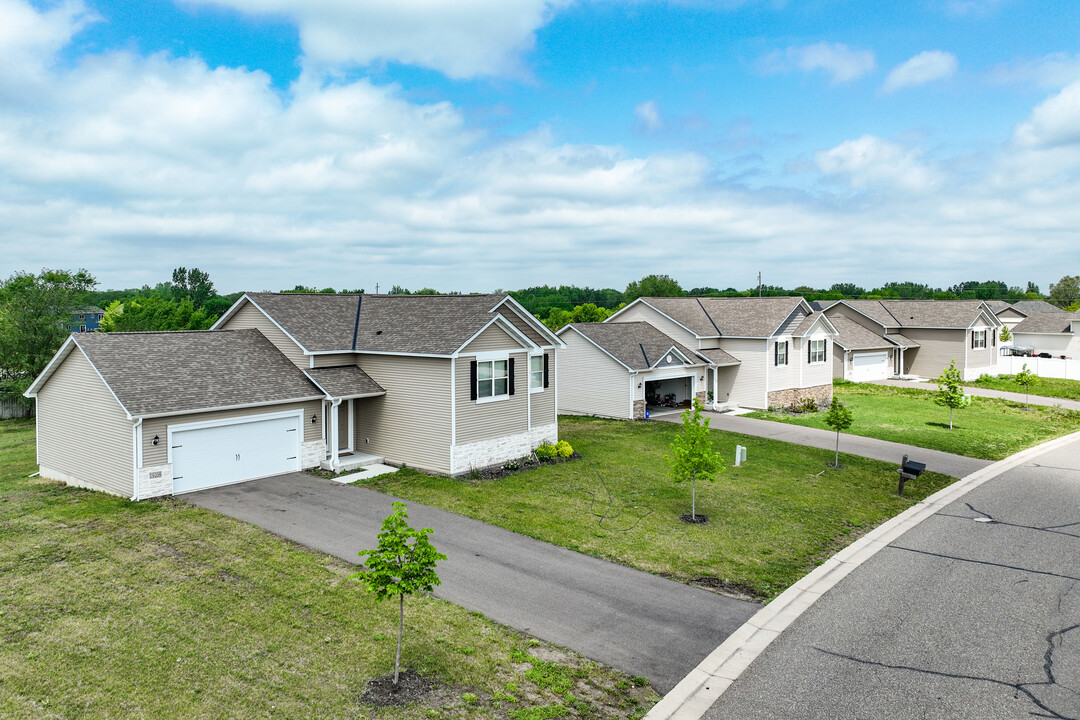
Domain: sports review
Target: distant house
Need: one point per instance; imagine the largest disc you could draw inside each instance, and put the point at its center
(928, 334)
(1056, 333)
(292, 381)
(86, 319)
(1011, 314)
(747, 352)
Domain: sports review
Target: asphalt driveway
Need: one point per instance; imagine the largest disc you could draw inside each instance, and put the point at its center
(636, 622)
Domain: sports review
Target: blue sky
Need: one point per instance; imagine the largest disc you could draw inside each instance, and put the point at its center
(506, 143)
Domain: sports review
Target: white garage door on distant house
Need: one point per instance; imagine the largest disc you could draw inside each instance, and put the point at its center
(869, 366)
(221, 452)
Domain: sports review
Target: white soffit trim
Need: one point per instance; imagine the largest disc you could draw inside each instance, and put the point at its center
(45, 374)
(528, 317)
(598, 347)
(507, 327)
(266, 315)
(268, 403)
(675, 350)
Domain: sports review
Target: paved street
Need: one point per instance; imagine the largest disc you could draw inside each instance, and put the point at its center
(636, 622)
(974, 613)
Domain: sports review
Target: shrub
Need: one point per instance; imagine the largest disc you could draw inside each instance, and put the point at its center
(546, 452)
(563, 449)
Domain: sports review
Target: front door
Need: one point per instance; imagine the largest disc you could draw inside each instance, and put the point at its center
(345, 426)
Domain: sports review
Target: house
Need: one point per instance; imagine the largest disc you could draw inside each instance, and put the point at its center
(928, 334)
(292, 381)
(86, 319)
(861, 355)
(1056, 333)
(761, 352)
(621, 369)
(1011, 314)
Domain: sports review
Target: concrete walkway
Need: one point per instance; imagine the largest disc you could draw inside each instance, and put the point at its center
(961, 606)
(983, 392)
(954, 465)
(639, 623)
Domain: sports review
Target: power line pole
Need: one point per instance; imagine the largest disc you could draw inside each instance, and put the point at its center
(759, 283)
(376, 288)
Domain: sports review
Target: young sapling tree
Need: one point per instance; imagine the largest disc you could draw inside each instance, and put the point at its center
(839, 418)
(950, 392)
(402, 564)
(1006, 336)
(692, 454)
(1025, 378)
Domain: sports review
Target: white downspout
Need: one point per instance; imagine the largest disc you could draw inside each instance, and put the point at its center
(136, 454)
(334, 429)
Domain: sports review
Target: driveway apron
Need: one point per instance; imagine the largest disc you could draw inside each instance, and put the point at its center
(639, 623)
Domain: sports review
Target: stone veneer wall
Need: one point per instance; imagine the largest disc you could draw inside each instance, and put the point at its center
(639, 409)
(700, 396)
(312, 453)
(485, 453)
(155, 481)
(820, 393)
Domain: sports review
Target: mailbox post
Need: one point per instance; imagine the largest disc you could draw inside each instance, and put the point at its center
(909, 470)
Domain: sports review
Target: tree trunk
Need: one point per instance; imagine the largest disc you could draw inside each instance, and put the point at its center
(950, 418)
(693, 496)
(400, 629)
(836, 460)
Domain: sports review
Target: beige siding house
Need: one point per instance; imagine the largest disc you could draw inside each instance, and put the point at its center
(292, 381)
(1054, 333)
(926, 335)
(748, 352)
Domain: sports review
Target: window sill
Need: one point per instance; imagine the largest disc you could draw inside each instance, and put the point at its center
(497, 398)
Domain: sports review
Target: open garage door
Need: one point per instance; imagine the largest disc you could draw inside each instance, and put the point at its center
(209, 454)
(869, 366)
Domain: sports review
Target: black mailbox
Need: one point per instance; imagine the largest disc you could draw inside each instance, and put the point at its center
(909, 470)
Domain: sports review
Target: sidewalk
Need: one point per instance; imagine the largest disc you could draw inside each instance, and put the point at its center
(957, 466)
(983, 392)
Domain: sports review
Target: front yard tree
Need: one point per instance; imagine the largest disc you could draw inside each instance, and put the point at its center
(950, 392)
(402, 564)
(1026, 379)
(839, 418)
(1006, 336)
(692, 454)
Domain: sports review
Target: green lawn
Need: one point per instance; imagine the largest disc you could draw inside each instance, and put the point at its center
(771, 520)
(1046, 387)
(114, 609)
(989, 428)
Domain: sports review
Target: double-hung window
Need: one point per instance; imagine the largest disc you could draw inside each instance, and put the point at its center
(978, 339)
(536, 372)
(817, 351)
(781, 353)
(492, 379)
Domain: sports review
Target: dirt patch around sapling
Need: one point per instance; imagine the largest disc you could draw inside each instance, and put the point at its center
(411, 688)
(698, 519)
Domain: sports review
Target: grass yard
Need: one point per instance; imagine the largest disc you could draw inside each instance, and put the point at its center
(989, 428)
(114, 609)
(1045, 387)
(771, 520)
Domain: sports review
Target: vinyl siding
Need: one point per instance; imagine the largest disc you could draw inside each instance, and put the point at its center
(159, 454)
(542, 410)
(335, 360)
(488, 420)
(782, 377)
(818, 373)
(838, 364)
(590, 382)
(982, 359)
(1067, 345)
(749, 389)
(249, 316)
(523, 326)
(936, 349)
(492, 339)
(674, 331)
(82, 431)
(411, 423)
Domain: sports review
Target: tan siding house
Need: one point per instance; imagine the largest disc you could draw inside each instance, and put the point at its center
(249, 316)
(604, 386)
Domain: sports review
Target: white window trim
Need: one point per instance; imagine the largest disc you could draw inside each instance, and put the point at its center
(492, 358)
(974, 339)
(812, 353)
(540, 387)
(776, 352)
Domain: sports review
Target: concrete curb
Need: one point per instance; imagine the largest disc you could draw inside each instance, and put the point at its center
(697, 692)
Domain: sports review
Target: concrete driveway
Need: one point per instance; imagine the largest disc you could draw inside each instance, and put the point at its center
(636, 622)
(973, 613)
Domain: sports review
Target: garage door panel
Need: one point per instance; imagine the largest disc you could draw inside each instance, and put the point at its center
(869, 366)
(242, 450)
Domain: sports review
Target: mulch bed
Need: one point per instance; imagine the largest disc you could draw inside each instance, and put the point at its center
(411, 688)
(698, 519)
(513, 467)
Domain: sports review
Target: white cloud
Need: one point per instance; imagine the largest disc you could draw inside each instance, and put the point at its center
(871, 162)
(1055, 70)
(925, 67)
(838, 60)
(459, 39)
(29, 40)
(1053, 123)
(648, 114)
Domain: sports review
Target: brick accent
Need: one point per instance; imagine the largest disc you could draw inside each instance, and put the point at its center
(155, 481)
(498, 450)
(700, 396)
(639, 410)
(312, 453)
(820, 393)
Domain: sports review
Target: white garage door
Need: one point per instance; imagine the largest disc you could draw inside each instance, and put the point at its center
(869, 366)
(205, 455)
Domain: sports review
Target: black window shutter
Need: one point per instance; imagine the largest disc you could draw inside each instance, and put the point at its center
(546, 370)
(511, 368)
(972, 338)
(824, 350)
(809, 347)
(776, 354)
(472, 380)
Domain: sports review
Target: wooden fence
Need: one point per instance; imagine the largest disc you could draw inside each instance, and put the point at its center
(14, 407)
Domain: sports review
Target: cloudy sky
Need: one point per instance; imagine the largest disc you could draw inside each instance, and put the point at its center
(484, 144)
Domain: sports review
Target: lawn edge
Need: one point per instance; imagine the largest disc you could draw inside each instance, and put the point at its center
(704, 685)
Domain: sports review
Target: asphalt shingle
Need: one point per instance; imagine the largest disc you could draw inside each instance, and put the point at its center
(728, 317)
(345, 382)
(1049, 322)
(638, 345)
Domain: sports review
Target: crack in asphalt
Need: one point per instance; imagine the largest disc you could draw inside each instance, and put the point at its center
(1054, 529)
(984, 562)
(1049, 707)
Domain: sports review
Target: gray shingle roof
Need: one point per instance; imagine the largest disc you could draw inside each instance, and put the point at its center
(728, 317)
(919, 313)
(345, 382)
(854, 336)
(1029, 307)
(1048, 322)
(159, 373)
(902, 341)
(420, 324)
(638, 345)
(719, 357)
(997, 306)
